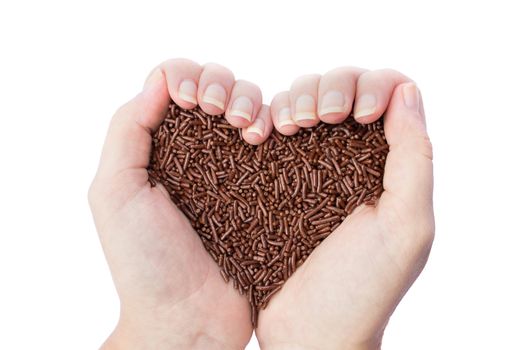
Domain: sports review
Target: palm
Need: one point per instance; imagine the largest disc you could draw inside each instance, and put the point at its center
(350, 284)
(161, 263)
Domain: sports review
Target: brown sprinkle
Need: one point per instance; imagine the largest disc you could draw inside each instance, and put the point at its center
(261, 210)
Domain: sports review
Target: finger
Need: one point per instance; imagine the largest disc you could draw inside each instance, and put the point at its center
(303, 100)
(408, 170)
(374, 90)
(336, 94)
(245, 103)
(260, 129)
(128, 142)
(282, 115)
(215, 86)
(182, 76)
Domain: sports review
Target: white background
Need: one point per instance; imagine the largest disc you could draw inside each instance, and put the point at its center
(65, 67)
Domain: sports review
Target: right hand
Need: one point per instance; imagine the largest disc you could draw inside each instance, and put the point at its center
(171, 292)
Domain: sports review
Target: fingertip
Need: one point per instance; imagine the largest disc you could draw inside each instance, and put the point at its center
(212, 101)
(408, 170)
(403, 119)
(182, 76)
(244, 104)
(374, 92)
(260, 129)
(306, 119)
(282, 115)
(368, 107)
(214, 88)
(187, 95)
(153, 78)
(284, 123)
(303, 100)
(153, 102)
(367, 119)
(333, 118)
(304, 109)
(128, 141)
(336, 94)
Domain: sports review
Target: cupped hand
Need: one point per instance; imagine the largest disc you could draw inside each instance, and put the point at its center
(345, 292)
(171, 292)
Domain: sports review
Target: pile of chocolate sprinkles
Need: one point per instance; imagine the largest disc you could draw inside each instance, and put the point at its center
(261, 210)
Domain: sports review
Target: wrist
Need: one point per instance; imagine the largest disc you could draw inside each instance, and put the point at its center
(372, 344)
(289, 346)
(131, 336)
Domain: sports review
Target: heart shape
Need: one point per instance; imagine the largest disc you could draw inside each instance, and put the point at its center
(260, 211)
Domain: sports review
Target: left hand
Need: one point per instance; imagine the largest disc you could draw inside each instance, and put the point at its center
(345, 292)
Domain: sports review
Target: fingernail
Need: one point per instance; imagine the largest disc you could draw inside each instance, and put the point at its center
(411, 96)
(366, 105)
(284, 117)
(332, 102)
(304, 108)
(153, 79)
(257, 127)
(188, 91)
(215, 95)
(242, 107)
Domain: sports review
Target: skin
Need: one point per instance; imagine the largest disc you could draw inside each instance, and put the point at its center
(172, 295)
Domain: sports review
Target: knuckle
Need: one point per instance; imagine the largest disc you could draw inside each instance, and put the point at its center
(422, 144)
(245, 83)
(93, 193)
(344, 70)
(427, 148)
(281, 96)
(122, 111)
(393, 75)
(387, 72)
(280, 100)
(218, 68)
(249, 87)
(305, 79)
(176, 62)
(426, 233)
(418, 229)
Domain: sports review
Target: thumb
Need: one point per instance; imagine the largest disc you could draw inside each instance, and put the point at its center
(128, 141)
(408, 175)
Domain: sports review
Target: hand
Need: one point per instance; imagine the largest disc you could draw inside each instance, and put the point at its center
(171, 291)
(345, 292)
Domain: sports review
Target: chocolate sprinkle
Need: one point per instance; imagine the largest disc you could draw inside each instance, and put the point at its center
(260, 211)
